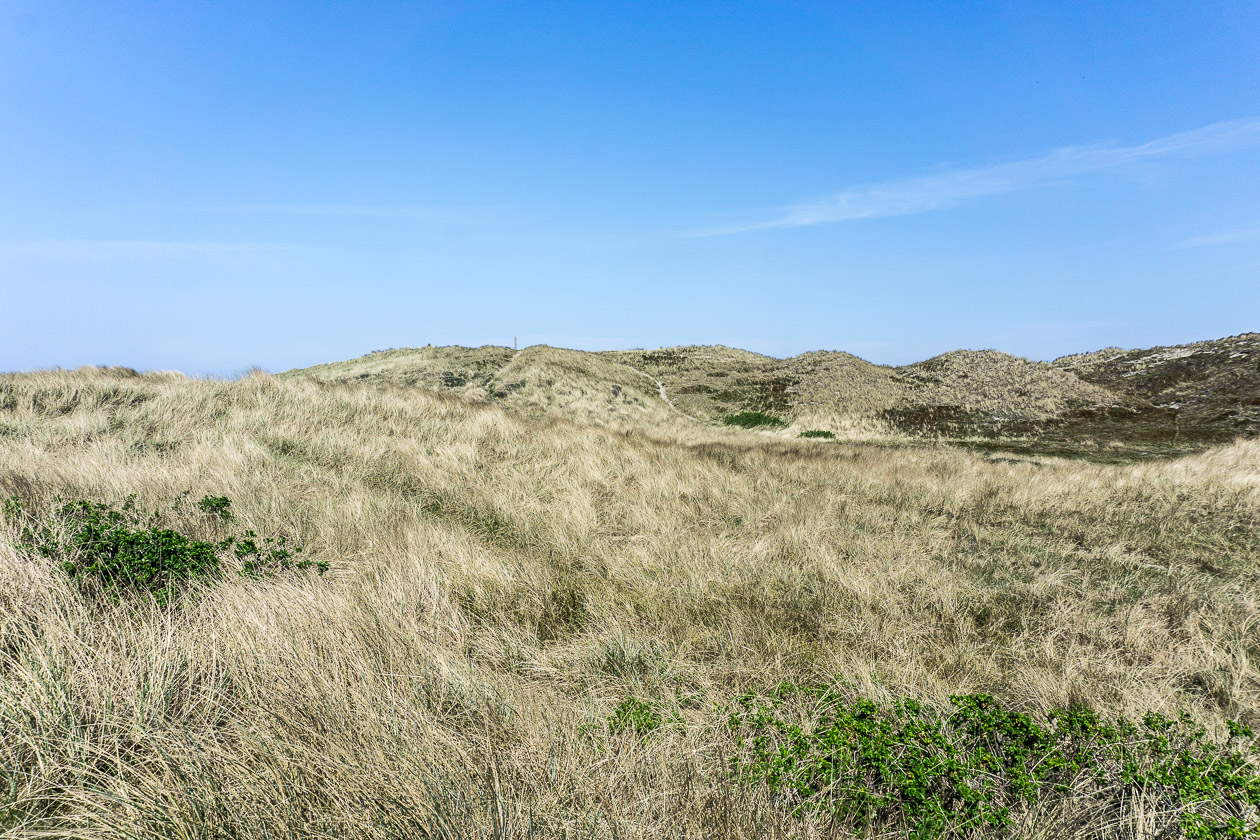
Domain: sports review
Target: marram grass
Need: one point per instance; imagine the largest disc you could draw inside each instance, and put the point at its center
(499, 586)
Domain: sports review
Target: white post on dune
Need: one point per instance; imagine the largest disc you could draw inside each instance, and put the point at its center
(513, 342)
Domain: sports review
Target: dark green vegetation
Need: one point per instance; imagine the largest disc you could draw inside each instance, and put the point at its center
(119, 549)
(753, 420)
(1211, 387)
(640, 717)
(907, 767)
(817, 433)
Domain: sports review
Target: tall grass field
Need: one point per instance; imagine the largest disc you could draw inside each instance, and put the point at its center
(511, 625)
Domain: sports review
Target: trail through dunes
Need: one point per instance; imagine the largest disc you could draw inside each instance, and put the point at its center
(660, 386)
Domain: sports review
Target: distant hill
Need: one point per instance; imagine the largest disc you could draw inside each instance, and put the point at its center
(1211, 387)
(1164, 398)
(588, 387)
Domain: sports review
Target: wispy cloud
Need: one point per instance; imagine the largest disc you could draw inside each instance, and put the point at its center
(938, 191)
(1224, 237)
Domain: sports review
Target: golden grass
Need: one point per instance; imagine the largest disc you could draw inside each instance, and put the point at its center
(465, 370)
(832, 391)
(587, 387)
(500, 582)
(999, 383)
(537, 381)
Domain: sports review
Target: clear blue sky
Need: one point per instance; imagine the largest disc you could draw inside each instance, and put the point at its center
(207, 186)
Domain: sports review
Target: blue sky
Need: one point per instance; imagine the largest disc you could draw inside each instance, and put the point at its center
(208, 186)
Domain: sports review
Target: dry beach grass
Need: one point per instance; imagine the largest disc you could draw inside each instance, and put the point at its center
(500, 581)
(1112, 405)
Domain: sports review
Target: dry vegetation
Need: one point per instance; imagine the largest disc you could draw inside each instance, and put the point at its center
(500, 583)
(1112, 405)
(537, 381)
(1206, 383)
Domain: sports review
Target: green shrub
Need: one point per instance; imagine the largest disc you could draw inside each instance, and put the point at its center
(123, 550)
(635, 715)
(872, 768)
(753, 419)
(219, 506)
(95, 541)
(817, 433)
(642, 717)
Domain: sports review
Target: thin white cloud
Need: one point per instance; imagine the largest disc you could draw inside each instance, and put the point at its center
(923, 194)
(1224, 237)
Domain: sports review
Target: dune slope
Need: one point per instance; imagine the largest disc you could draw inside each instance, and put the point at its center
(501, 584)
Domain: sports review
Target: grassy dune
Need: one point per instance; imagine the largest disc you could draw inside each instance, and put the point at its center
(501, 581)
(1110, 406)
(536, 382)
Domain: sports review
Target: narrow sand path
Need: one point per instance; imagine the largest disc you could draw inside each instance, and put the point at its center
(660, 387)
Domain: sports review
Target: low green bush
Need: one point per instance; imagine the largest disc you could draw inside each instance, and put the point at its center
(123, 550)
(217, 506)
(753, 419)
(642, 717)
(817, 433)
(910, 768)
(634, 715)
